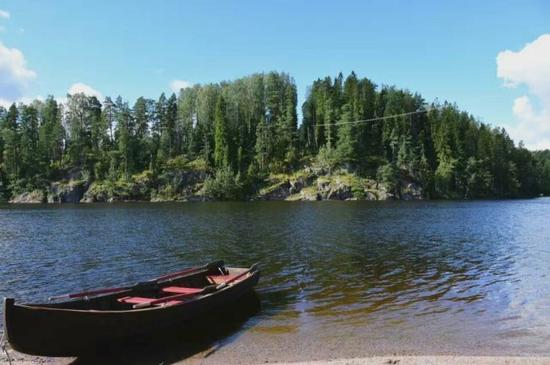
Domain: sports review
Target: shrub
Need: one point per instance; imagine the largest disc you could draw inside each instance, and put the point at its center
(389, 176)
(224, 186)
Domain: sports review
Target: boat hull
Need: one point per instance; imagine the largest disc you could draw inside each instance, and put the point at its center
(47, 331)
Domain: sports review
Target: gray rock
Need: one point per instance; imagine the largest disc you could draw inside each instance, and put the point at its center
(32, 197)
(310, 195)
(281, 192)
(340, 192)
(370, 195)
(62, 192)
(412, 191)
(296, 186)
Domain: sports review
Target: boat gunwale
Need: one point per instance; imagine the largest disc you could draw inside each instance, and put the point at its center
(46, 307)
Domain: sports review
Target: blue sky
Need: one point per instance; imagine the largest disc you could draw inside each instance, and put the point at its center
(440, 48)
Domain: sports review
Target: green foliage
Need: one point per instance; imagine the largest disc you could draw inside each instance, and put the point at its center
(445, 178)
(479, 179)
(221, 136)
(136, 187)
(347, 138)
(327, 160)
(223, 186)
(358, 189)
(239, 132)
(389, 176)
(264, 144)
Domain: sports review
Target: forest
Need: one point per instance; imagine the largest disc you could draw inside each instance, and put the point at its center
(231, 136)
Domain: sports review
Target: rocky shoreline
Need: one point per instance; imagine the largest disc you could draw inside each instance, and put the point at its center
(301, 186)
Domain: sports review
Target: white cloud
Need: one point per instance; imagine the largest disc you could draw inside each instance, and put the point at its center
(177, 85)
(25, 100)
(5, 103)
(80, 87)
(529, 66)
(14, 74)
(4, 14)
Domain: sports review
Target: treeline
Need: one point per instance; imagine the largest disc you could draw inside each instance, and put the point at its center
(448, 151)
(241, 131)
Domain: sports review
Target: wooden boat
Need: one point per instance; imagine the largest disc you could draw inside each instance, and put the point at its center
(91, 319)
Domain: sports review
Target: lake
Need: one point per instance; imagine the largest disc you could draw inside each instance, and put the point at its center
(338, 278)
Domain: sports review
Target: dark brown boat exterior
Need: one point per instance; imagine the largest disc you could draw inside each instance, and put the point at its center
(71, 328)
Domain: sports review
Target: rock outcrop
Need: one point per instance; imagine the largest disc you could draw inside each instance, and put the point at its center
(411, 191)
(67, 192)
(32, 197)
(309, 185)
(188, 185)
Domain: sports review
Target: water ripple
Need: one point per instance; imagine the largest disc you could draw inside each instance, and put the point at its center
(354, 267)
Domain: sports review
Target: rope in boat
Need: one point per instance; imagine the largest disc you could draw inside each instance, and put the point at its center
(3, 344)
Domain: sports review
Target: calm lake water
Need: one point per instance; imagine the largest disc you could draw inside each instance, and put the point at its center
(338, 278)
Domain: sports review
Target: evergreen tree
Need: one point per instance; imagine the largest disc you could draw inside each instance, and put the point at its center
(141, 144)
(124, 136)
(11, 138)
(347, 137)
(264, 144)
(51, 133)
(221, 136)
(28, 148)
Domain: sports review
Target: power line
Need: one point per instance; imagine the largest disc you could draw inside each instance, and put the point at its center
(377, 118)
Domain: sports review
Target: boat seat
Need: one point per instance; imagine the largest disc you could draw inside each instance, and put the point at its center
(181, 290)
(142, 300)
(220, 279)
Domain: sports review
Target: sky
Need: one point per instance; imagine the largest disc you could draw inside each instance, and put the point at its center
(491, 58)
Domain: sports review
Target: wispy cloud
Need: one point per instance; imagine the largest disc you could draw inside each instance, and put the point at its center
(87, 90)
(529, 66)
(177, 85)
(14, 73)
(25, 100)
(4, 14)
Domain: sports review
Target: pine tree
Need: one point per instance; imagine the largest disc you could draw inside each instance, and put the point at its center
(221, 136)
(141, 142)
(288, 128)
(11, 137)
(51, 133)
(264, 144)
(124, 134)
(347, 137)
(28, 148)
(157, 128)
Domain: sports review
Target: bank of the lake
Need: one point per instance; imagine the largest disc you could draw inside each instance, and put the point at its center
(339, 279)
(308, 184)
(374, 360)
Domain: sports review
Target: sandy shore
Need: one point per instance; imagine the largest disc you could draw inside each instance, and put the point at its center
(432, 360)
(18, 359)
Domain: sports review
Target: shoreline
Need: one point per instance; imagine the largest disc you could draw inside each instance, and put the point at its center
(9, 202)
(431, 360)
(21, 359)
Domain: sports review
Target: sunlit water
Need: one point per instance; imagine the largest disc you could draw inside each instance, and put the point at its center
(337, 277)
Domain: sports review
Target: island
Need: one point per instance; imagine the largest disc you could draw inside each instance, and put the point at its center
(242, 140)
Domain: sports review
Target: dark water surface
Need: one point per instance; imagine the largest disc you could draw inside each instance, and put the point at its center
(356, 278)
